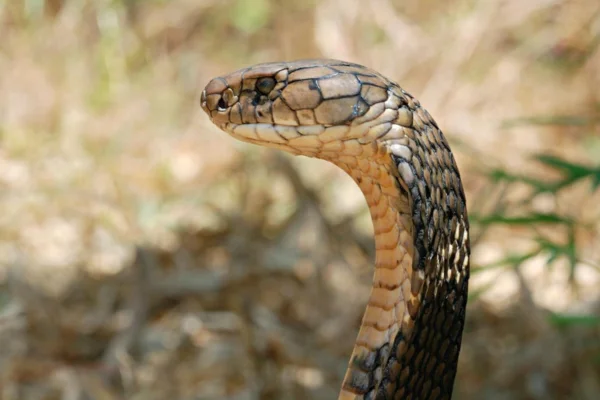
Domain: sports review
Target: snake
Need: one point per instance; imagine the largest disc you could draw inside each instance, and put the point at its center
(411, 331)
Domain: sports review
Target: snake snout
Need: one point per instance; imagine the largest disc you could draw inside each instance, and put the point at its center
(217, 96)
(216, 100)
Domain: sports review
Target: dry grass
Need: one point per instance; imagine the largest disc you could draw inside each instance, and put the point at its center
(145, 255)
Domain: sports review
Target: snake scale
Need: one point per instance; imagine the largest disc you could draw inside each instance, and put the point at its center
(410, 336)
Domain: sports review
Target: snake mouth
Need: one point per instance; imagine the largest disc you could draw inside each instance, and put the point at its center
(293, 139)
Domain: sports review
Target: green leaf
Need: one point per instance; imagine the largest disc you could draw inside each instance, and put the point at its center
(512, 260)
(499, 175)
(596, 179)
(565, 320)
(534, 218)
(571, 169)
(555, 250)
(572, 172)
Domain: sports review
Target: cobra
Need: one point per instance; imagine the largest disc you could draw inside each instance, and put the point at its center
(410, 336)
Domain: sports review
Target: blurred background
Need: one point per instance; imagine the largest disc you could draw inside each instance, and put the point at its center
(146, 255)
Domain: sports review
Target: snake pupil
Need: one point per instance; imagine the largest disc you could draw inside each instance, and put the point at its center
(265, 85)
(221, 104)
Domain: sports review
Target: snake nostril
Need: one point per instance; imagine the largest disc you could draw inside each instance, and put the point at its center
(221, 104)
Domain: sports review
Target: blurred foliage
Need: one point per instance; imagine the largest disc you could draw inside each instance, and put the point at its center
(145, 255)
(571, 174)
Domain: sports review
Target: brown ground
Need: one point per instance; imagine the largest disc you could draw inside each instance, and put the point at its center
(145, 255)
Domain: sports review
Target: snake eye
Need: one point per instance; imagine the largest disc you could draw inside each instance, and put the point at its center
(221, 105)
(265, 85)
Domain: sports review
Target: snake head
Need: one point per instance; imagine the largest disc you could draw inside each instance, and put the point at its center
(309, 107)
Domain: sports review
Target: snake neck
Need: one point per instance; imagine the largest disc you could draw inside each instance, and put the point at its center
(387, 308)
(410, 335)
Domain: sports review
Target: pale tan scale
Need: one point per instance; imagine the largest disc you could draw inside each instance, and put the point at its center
(349, 161)
(427, 178)
(310, 73)
(229, 97)
(406, 173)
(372, 80)
(248, 131)
(373, 171)
(263, 115)
(383, 226)
(235, 115)
(405, 239)
(315, 130)
(417, 122)
(309, 141)
(215, 87)
(364, 165)
(400, 308)
(369, 150)
(376, 132)
(384, 298)
(287, 132)
(336, 146)
(391, 215)
(249, 115)
(335, 111)
(334, 133)
(276, 90)
(386, 258)
(405, 117)
(281, 76)
(412, 103)
(248, 83)
(353, 148)
(353, 69)
(379, 210)
(212, 100)
(386, 180)
(306, 117)
(373, 94)
(326, 154)
(393, 101)
(302, 95)
(383, 138)
(407, 262)
(389, 241)
(388, 116)
(401, 151)
(379, 318)
(396, 135)
(268, 132)
(370, 338)
(390, 278)
(374, 112)
(339, 86)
